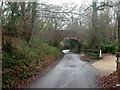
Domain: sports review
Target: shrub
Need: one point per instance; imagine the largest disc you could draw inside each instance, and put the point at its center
(85, 46)
(109, 49)
(103, 48)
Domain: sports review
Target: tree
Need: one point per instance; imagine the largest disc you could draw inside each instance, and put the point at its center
(1, 44)
(118, 16)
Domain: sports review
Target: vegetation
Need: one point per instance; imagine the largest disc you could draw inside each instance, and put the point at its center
(22, 61)
(24, 53)
(32, 33)
(109, 49)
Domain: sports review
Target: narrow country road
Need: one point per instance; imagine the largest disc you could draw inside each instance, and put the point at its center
(71, 72)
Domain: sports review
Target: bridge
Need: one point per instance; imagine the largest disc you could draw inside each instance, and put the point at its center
(74, 38)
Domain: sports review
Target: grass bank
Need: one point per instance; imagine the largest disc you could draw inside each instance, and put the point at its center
(22, 61)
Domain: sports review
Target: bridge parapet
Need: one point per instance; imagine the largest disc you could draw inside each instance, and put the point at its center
(74, 38)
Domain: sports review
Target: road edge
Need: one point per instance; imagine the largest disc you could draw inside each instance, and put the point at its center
(40, 74)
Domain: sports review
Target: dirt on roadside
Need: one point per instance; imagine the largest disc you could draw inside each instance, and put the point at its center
(83, 57)
(106, 65)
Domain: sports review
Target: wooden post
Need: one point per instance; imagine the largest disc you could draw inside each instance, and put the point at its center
(117, 62)
(100, 53)
(118, 69)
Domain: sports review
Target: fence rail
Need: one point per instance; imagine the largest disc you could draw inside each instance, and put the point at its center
(93, 54)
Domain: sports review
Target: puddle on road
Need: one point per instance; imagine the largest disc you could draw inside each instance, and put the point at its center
(72, 66)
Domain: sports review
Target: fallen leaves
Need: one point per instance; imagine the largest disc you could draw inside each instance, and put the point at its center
(85, 58)
(109, 81)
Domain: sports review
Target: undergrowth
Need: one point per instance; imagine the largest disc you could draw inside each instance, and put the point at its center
(23, 60)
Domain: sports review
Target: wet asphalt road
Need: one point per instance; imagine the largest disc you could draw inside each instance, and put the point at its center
(71, 72)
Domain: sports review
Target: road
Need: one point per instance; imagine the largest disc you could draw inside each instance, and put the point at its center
(71, 72)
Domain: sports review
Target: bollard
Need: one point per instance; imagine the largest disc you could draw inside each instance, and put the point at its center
(100, 53)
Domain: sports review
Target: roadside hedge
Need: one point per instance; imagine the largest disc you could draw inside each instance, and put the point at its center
(109, 49)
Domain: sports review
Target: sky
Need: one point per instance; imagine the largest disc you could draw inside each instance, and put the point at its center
(79, 2)
(60, 2)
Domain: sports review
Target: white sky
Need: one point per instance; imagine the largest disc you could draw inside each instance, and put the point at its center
(60, 2)
(79, 2)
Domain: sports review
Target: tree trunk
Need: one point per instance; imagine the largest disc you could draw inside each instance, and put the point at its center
(119, 27)
(118, 42)
(14, 8)
(94, 19)
(33, 19)
(23, 10)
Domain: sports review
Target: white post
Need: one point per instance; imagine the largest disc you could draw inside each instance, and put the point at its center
(100, 53)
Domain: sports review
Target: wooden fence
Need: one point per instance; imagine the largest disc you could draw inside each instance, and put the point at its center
(93, 54)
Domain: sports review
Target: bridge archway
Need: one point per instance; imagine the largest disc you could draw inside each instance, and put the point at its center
(72, 43)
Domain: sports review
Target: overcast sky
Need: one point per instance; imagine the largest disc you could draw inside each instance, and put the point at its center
(60, 2)
(79, 2)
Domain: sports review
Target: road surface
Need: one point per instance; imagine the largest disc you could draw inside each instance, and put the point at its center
(71, 72)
